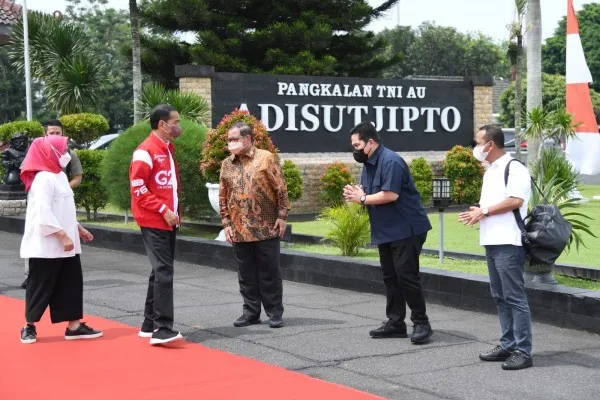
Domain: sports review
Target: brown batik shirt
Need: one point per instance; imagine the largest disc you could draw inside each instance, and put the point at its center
(252, 195)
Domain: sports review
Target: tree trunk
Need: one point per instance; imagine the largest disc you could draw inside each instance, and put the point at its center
(88, 213)
(136, 57)
(518, 97)
(534, 69)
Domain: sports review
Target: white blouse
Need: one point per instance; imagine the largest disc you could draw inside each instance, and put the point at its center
(50, 209)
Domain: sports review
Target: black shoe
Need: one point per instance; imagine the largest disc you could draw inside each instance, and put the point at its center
(498, 353)
(389, 330)
(82, 332)
(517, 360)
(28, 334)
(147, 329)
(421, 333)
(245, 320)
(276, 322)
(24, 284)
(165, 335)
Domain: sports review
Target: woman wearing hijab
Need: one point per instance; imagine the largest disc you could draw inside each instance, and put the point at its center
(51, 242)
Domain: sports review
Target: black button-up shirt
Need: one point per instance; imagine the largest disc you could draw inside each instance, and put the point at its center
(405, 217)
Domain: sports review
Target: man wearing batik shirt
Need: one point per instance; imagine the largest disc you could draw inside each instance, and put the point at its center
(254, 206)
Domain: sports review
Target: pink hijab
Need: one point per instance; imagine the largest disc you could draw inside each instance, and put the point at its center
(42, 156)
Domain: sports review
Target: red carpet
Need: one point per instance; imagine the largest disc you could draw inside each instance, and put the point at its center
(122, 366)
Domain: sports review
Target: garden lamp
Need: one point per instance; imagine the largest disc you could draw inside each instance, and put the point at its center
(441, 199)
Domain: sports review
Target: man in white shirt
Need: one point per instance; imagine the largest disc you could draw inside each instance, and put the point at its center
(501, 237)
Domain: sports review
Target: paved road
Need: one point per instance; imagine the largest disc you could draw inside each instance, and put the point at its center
(326, 334)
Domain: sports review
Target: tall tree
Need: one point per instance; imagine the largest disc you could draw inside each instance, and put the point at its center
(515, 54)
(439, 50)
(555, 50)
(12, 90)
(311, 37)
(136, 49)
(399, 38)
(534, 68)
(108, 29)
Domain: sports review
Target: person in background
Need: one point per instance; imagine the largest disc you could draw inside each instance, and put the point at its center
(73, 170)
(155, 194)
(51, 242)
(254, 205)
(399, 227)
(501, 237)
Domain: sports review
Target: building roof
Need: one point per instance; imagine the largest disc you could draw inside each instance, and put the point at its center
(9, 12)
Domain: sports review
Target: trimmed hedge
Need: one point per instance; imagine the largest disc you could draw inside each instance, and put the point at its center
(84, 128)
(115, 167)
(91, 194)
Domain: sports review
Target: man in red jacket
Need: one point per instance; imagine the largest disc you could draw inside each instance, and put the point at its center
(154, 185)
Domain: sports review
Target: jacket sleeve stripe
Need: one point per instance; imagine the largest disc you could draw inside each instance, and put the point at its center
(143, 156)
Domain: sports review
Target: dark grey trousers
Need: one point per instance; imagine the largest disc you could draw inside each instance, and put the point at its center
(259, 276)
(160, 247)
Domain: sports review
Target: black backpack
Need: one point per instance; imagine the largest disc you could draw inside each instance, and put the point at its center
(546, 233)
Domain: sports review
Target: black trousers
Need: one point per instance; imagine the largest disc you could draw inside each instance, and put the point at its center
(54, 282)
(400, 265)
(160, 247)
(259, 276)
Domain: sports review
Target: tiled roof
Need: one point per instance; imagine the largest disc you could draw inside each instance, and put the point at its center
(9, 12)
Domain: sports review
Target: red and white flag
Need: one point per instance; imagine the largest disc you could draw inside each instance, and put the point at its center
(584, 151)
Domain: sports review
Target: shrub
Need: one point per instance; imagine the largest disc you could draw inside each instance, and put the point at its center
(214, 150)
(348, 227)
(336, 176)
(91, 194)
(465, 174)
(294, 180)
(32, 129)
(553, 164)
(115, 166)
(423, 176)
(84, 128)
(189, 105)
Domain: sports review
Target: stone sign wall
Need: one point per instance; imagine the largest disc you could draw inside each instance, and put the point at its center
(309, 117)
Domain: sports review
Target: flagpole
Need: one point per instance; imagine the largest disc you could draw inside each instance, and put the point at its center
(27, 62)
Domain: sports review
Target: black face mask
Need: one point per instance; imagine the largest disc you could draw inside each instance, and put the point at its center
(360, 156)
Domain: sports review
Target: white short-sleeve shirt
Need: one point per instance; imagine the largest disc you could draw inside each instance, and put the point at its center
(50, 209)
(502, 229)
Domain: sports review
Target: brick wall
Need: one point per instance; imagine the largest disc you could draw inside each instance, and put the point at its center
(199, 86)
(482, 107)
(310, 202)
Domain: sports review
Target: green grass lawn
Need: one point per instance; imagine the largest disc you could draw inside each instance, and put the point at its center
(457, 237)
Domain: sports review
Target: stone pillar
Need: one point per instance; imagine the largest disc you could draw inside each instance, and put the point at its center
(196, 79)
(483, 88)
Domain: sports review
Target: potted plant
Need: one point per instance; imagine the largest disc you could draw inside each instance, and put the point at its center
(214, 149)
(556, 179)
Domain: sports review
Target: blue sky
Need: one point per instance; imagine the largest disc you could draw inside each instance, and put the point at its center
(487, 16)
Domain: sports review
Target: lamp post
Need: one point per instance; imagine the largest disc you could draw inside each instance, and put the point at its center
(441, 199)
(27, 62)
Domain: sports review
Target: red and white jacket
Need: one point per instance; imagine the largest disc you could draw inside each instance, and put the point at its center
(154, 183)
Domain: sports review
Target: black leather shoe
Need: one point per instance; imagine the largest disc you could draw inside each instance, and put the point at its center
(517, 360)
(389, 330)
(245, 320)
(276, 322)
(421, 333)
(498, 353)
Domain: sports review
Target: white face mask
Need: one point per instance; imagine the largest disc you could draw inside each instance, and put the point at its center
(479, 154)
(64, 160)
(232, 146)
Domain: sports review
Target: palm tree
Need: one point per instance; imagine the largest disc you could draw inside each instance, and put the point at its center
(136, 57)
(189, 105)
(61, 60)
(534, 69)
(515, 51)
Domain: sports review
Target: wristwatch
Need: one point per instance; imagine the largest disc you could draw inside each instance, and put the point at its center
(363, 198)
(486, 212)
